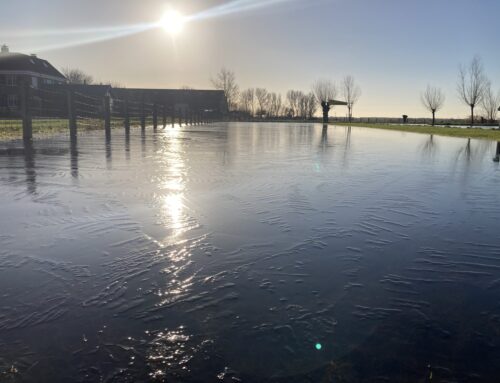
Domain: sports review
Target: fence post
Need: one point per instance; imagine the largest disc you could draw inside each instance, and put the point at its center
(143, 116)
(72, 115)
(26, 111)
(155, 117)
(164, 116)
(107, 115)
(127, 116)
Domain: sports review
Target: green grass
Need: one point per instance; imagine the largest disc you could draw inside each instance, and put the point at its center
(485, 134)
(12, 129)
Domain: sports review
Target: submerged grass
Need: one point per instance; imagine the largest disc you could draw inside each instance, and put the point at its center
(485, 134)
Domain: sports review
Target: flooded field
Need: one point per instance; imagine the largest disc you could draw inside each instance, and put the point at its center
(250, 253)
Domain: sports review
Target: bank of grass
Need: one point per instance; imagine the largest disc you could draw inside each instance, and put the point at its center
(13, 129)
(485, 134)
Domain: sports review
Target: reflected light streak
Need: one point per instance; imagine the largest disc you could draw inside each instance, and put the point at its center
(173, 185)
(173, 206)
(100, 34)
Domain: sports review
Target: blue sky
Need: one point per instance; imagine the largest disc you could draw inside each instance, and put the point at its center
(393, 48)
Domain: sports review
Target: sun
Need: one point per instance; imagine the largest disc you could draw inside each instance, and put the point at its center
(172, 22)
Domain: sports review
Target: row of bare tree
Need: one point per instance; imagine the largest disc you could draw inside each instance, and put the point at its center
(473, 88)
(259, 102)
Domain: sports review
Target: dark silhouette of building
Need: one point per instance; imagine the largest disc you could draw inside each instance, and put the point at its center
(49, 91)
(16, 70)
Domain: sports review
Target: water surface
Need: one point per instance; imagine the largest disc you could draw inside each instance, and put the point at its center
(230, 252)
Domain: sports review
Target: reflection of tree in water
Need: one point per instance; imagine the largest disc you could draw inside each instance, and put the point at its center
(348, 137)
(347, 144)
(430, 147)
(497, 153)
(324, 138)
(475, 152)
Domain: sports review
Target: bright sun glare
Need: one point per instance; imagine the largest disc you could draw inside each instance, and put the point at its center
(172, 22)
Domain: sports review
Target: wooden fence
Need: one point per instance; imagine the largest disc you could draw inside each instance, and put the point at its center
(82, 109)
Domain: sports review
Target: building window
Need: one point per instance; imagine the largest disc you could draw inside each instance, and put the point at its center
(12, 101)
(10, 80)
(34, 82)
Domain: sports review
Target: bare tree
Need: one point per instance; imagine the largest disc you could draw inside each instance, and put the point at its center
(303, 105)
(226, 81)
(433, 100)
(351, 93)
(324, 91)
(471, 84)
(293, 97)
(275, 105)
(247, 101)
(262, 96)
(77, 76)
(311, 105)
(490, 103)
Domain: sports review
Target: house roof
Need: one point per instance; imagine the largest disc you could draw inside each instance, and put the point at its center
(23, 63)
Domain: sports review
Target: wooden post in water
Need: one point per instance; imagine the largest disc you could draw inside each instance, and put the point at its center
(72, 115)
(107, 115)
(164, 116)
(173, 117)
(497, 155)
(155, 117)
(180, 117)
(143, 115)
(26, 111)
(127, 115)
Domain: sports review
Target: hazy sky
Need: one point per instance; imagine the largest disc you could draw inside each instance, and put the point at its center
(393, 48)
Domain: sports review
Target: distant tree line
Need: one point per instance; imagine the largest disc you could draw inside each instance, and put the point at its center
(79, 77)
(473, 89)
(295, 104)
